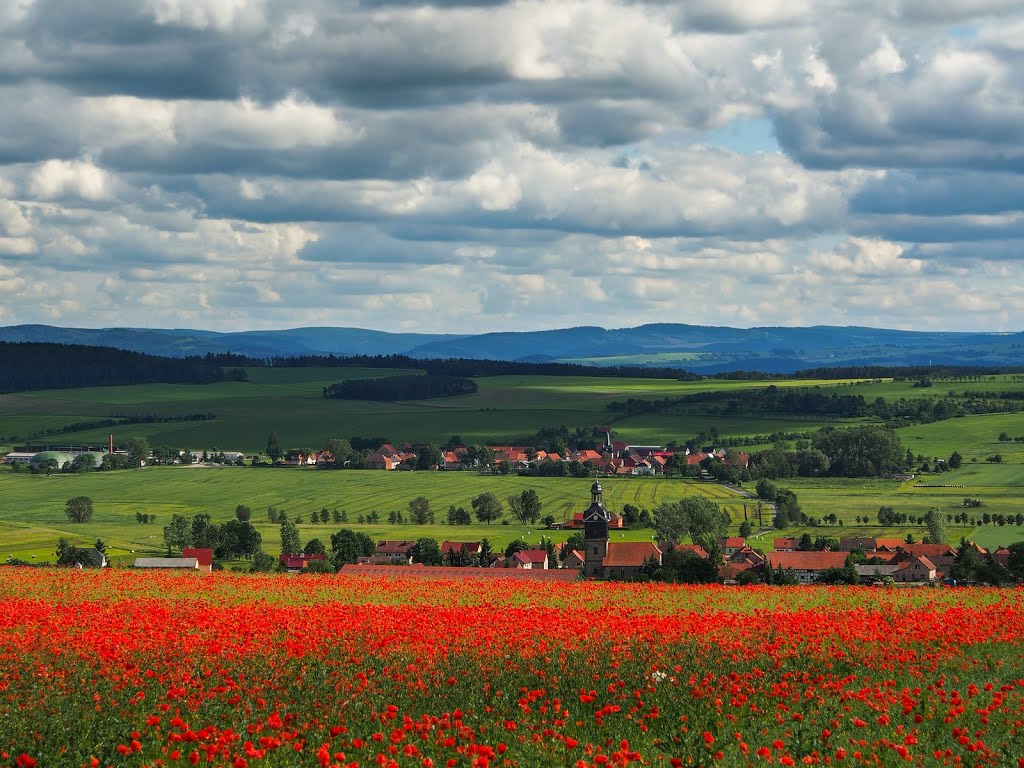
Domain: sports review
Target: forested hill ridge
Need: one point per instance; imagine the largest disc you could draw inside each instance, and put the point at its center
(28, 366)
(700, 349)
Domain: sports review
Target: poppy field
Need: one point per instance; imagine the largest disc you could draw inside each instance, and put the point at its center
(117, 668)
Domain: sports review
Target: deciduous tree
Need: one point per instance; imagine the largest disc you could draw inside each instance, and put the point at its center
(487, 507)
(79, 509)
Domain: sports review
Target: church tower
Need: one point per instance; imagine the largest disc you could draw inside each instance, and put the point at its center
(595, 534)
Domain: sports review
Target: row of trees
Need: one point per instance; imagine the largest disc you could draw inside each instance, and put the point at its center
(229, 541)
(813, 402)
(392, 388)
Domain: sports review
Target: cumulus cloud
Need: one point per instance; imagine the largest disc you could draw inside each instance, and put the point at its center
(529, 164)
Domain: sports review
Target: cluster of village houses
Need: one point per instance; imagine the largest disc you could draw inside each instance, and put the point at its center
(603, 558)
(893, 558)
(613, 457)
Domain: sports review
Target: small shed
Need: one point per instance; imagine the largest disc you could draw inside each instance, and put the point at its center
(168, 563)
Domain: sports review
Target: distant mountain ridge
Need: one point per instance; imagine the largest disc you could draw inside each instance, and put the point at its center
(169, 342)
(703, 349)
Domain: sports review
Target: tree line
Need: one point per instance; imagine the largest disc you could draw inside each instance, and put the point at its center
(114, 421)
(31, 365)
(773, 401)
(391, 388)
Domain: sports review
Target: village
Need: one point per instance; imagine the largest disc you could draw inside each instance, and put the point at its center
(608, 458)
(869, 560)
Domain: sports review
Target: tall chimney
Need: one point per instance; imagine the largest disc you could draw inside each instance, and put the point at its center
(110, 446)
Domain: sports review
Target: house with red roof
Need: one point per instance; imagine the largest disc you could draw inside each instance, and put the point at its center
(461, 553)
(536, 559)
(918, 568)
(806, 565)
(203, 556)
(732, 544)
(746, 556)
(461, 547)
(393, 552)
(785, 544)
(574, 559)
(890, 545)
(624, 559)
(297, 563)
(943, 556)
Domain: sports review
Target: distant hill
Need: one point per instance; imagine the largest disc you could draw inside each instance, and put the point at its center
(260, 344)
(702, 349)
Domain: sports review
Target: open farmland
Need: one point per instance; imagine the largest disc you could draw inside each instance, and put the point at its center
(506, 408)
(32, 506)
(246, 671)
(290, 401)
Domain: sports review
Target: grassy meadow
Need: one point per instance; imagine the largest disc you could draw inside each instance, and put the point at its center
(32, 506)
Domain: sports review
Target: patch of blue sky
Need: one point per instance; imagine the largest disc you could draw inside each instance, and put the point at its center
(963, 32)
(745, 135)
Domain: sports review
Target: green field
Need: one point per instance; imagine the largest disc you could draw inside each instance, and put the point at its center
(506, 408)
(999, 487)
(32, 518)
(290, 401)
(32, 506)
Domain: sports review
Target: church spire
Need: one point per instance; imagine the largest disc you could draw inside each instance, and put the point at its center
(595, 533)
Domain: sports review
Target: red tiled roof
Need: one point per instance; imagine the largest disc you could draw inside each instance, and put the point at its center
(807, 561)
(470, 547)
(418, 571)
(884, 556)
(929, 550)
(203, 555)
(732, 570)
(697, 549)
(630, 553)
(531, 555)
(394, 547)
(784, 543)
(890, 543)
(299, 561)
(733, 541)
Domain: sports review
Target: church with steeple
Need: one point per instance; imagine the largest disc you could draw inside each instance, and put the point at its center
(595, 534)
(606, 559)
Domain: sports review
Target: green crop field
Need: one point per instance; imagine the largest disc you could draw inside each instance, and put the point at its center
(32, 506)
(1000, 488)
(290, 402)
(973, 436)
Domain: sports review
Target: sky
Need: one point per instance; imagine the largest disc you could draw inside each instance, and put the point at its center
(483, 166)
